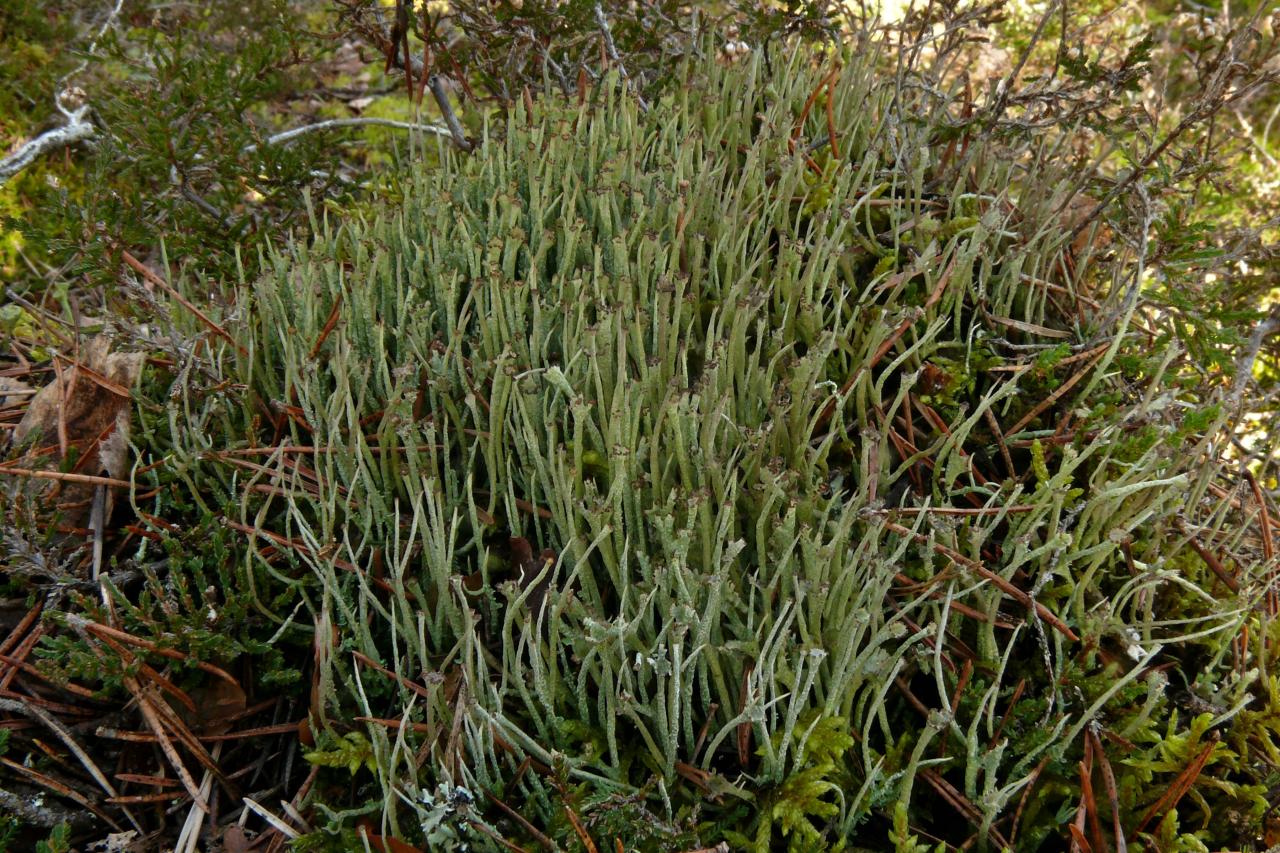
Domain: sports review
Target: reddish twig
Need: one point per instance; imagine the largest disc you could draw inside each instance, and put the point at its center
(421, 728)
(21, 628)
(518, 818)
(400, 679)
(22, 665)
(1087, 799)
(1022, 801)
(304, 549)
(999, 582)
(142, 270)
(1268, 544)
(102, 631)
(1056, 395)
(1113, 795)
(934, 297)
(329, 325)
(20, 653)
(1169, 800)
(962, 804)
(1211, 560)
(1013, 703)
(994, 425)
(955, 510)
(826, 83)
(580, 830)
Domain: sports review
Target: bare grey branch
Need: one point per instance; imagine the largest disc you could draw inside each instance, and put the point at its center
(68, 100)
(77, 129)
(603, 23)
(289, 135)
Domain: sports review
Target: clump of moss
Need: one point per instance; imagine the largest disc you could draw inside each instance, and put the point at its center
(783, 498)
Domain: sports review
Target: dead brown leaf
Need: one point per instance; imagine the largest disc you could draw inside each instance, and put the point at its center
(84, 413)
(234, 840)
(218, 704)
(527, 568)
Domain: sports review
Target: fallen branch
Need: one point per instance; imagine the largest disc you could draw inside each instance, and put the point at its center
(290, 135)
(77, 129)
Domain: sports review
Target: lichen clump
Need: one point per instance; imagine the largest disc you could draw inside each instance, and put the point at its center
(751, 468)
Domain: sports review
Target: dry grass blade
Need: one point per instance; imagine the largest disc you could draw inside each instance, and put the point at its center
(83, 369)
(1087, 799)
(1268, 543)
(65, 477)
(1022, 801)
(178, 727)
(581, 830)
(190, 833)
(145, 799)
(63, 392)
(329, 325)
(1013, 703)
(28, 619)
(962, 805)
(260, 731)
(20, 654)
(1211, 560)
